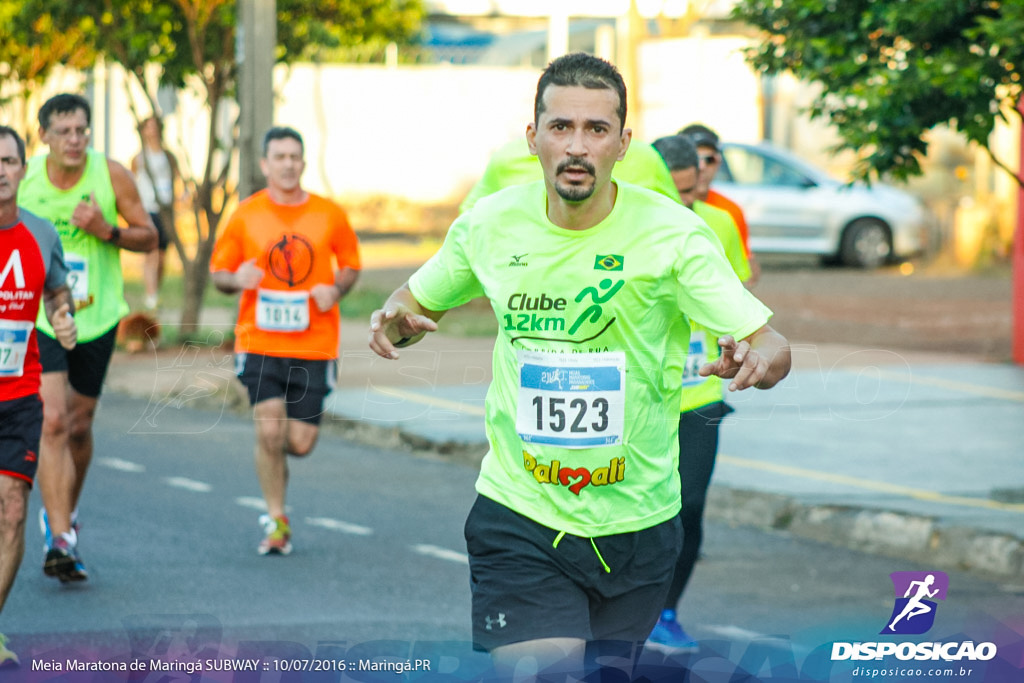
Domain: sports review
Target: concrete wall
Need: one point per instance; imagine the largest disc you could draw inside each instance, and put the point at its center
(699, 79)
(421, 133)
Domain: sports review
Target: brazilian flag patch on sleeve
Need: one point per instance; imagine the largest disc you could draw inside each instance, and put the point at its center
(609, 262)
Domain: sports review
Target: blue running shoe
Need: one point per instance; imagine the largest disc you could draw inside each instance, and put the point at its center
(62, 560)
(44, 526)
(668, 633)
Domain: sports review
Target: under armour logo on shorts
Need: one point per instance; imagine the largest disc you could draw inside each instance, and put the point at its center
(500, 621)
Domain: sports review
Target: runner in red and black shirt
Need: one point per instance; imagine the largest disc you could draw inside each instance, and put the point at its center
(32, 271)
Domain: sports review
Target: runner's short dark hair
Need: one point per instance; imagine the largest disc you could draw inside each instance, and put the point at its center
(584, 70)
(64, 103)
(8, 132)
(280, 133)
(678, 151)
(702, 136)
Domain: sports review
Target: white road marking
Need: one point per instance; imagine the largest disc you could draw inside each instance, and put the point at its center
(736, 633)
(189, 484)
(122, 465)
(252, 502)
(338, 525)
(259, 504)
(441, 553)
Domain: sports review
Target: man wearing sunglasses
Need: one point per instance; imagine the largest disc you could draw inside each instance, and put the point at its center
(709, 151)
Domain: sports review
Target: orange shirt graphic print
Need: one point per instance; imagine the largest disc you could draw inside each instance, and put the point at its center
(290, 259)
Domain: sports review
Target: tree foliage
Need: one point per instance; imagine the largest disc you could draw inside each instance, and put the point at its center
(31, 49)
(191, 43)
(891, 71)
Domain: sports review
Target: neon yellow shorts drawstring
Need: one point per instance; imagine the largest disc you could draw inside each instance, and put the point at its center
(597, 552)
(561, 535)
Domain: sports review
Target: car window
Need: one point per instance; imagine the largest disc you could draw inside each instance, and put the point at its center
(748, 167)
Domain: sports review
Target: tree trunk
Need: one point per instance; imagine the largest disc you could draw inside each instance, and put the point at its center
(192, 303)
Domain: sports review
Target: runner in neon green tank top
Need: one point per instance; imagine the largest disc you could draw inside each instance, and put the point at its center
(82, 193)
(95, 264)
(574, 532)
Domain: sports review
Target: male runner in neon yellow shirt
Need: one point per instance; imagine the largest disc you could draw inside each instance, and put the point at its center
(575, 530)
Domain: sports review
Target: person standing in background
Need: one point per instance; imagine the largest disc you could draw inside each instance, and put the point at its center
(156, 174)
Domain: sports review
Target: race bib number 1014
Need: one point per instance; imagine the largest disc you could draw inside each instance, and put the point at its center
(279, 311)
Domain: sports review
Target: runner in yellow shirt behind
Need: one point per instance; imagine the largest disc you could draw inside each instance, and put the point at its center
(702, 407)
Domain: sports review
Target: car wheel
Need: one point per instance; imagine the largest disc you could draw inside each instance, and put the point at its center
(866, 243)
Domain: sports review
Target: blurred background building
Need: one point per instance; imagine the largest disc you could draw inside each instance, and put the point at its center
(398, 135)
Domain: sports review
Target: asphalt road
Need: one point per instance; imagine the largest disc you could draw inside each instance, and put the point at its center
(169, 536)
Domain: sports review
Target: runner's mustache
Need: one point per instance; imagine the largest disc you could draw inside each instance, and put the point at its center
(577, 162)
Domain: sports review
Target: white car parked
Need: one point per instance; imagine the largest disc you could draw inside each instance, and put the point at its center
(794, 207)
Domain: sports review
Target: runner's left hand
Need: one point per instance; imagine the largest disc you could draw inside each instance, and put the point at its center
(394, 322)
(738, 362)
(325, 297)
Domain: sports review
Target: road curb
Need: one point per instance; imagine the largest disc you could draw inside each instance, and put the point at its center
(887, 533)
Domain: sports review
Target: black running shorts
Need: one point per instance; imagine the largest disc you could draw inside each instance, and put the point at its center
(303, 384)
(86, 364)
(21, 426)
(161, 234)
(525, 587)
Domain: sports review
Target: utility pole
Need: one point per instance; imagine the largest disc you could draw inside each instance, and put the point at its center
(1017, 342)
(255, 46)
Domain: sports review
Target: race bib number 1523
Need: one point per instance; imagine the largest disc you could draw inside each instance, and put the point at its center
(571, 400)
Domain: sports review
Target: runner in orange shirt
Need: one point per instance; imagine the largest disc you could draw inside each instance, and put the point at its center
(710, 152)
(276, 250)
